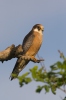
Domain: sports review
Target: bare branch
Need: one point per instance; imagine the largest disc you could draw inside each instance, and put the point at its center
(10, 52)
(15, 52)
(62, 90)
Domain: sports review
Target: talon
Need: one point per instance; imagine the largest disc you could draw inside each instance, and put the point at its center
(32, 58)
(36, 60)
(26, 57)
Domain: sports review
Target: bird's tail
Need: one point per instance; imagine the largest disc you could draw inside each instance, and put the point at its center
(20, 64)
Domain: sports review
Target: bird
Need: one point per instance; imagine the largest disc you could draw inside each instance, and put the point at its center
(30, 45)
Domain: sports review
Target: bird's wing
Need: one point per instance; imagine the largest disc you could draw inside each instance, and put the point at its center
(27, 42)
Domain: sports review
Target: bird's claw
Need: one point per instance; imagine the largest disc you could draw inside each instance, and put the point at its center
(38, 61)
(32, 58)
(26, 57)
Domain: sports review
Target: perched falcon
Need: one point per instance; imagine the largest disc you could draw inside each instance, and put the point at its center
(31, 44)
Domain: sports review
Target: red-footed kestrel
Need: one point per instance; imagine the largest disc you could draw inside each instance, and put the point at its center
(31, 44)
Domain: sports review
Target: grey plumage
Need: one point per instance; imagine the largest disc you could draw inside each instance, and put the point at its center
(27, 42)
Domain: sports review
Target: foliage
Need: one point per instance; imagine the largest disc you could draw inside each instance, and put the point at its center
(23, 79)
(52, 80)
(64, 98)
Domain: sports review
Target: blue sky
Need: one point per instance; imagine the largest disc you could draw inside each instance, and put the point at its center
(16, 19)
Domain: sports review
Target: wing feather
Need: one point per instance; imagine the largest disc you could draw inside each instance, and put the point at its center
(27, 42)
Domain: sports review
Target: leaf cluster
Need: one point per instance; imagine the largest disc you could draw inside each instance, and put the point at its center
(52, 80)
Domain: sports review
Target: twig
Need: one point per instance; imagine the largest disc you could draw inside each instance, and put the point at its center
(41, 63)
(62, 90)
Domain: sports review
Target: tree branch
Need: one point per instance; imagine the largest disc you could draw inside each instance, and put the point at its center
(15, 52)
(10, 52)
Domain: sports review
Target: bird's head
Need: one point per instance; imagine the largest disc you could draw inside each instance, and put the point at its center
(38, 28)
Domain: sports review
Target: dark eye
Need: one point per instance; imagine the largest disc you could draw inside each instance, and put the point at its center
(38, 28)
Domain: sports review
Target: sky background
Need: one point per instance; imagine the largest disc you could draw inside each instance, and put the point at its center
(17, 17)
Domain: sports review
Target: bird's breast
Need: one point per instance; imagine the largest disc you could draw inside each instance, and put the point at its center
(36, 44)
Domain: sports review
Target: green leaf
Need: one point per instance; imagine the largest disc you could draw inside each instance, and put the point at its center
(23, 76)
(53, 67)
(64, 65)
(21, 84)
(27, 80)
(60, 72)
(46, 88)
(23, 79)
(53, 89)
(34, 68)
(34, 71)
(59, 64)
(40, 70)
(39, 88)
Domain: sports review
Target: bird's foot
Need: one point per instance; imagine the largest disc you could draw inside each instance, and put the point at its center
(32, 58)
(26, 57)
(36, 60)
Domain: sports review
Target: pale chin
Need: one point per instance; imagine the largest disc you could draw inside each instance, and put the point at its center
(36, 30)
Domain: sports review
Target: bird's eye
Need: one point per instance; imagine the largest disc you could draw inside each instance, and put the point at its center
(38, 28)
